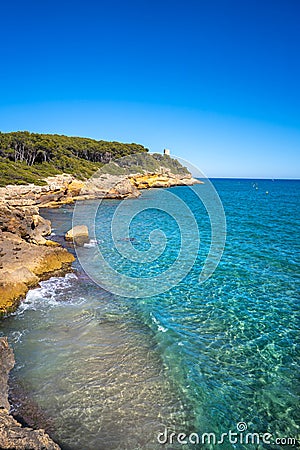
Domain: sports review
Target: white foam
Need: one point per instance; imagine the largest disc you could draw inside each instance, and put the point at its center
(17, 336)
(92, 243)
(49, 293)
(159, 327)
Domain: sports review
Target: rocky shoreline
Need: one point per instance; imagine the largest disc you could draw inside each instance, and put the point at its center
(65, 188)
(26, 256)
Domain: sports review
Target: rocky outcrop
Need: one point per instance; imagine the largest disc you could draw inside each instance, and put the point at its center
(24, 222)
(22, 262)
(12, 435)
(163, 179)
(108, 186)
(25, 253)
(58, 190)
(65, 189)
(78, 234)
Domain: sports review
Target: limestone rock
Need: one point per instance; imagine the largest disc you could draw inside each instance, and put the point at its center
(22, 264)
(163, 179)
(50, 243)
(21, 274)
(123, 189)
(64, 189)
(14, 437)
(78, 234)
(17, 220)
(25, 222)
(40, 227)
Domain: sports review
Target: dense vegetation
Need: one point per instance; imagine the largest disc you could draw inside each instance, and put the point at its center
(29, 157)
(143, 162)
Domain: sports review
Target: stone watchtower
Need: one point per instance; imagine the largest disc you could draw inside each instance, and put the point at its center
(167, 152)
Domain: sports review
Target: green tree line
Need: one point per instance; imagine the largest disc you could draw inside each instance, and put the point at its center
(34, 148)
(29, 157)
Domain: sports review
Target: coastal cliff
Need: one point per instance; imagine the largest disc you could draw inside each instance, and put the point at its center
(13, 436)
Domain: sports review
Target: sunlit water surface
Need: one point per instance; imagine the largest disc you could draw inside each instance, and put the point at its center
(111, 372)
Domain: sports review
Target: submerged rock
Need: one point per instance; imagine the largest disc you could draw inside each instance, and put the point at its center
(12, 435)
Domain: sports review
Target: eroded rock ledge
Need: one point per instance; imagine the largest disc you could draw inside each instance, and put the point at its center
(64, 189)
(25, 255)
(12, 435)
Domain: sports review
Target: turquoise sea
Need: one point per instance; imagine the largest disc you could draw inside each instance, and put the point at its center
(102, 371)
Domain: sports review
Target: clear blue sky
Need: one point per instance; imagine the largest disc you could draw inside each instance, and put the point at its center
(216, 81)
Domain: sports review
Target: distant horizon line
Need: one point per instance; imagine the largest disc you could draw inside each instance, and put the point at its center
(249, 178)
(180, 158)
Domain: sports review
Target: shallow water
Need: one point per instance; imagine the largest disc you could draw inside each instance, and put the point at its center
(112, 372)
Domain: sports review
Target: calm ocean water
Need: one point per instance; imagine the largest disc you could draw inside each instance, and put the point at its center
(109, 372)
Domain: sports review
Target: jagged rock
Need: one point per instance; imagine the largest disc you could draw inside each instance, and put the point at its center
(7, 362)
(64, 189)
(24, 222)
(163, 179)
(22, 264)
(17, 220)
(40, 227)
(123, 189)
(12, 435)
(78, 234)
